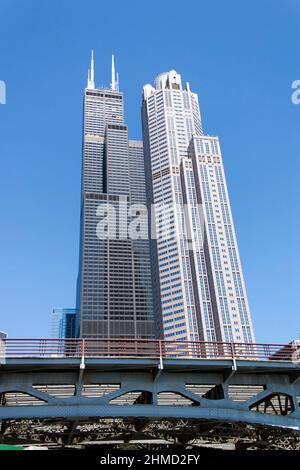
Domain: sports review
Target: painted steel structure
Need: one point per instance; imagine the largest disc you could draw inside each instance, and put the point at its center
(232, 384)
(90, 390)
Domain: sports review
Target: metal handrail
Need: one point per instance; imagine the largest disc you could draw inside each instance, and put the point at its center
(145, 348)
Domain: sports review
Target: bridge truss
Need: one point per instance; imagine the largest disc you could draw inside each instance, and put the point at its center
(59, 394)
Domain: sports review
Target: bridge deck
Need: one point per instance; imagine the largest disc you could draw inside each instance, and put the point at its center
(44, 387)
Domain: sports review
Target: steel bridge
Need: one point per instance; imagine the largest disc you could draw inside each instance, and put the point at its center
(72, 392)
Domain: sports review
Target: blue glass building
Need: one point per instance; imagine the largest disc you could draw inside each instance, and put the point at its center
(63, 323)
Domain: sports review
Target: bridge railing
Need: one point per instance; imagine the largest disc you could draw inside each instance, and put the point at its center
(142, 348)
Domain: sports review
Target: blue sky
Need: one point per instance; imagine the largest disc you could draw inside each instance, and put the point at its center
(240, 57)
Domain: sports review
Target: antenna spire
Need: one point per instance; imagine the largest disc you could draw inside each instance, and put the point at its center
(92, 68)
(113, 73)
(114, 77)
(91, 74)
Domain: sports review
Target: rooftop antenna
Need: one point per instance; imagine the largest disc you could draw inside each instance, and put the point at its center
(114, 81)
(91, 74)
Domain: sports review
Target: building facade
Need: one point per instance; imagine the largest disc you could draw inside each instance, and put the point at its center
(63, 323)
(114, 288)
(202, 289)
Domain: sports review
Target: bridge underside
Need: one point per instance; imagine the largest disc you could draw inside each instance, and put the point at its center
(138, 434)
(138, 402)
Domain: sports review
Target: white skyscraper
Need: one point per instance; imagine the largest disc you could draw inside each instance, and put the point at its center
(202, 289)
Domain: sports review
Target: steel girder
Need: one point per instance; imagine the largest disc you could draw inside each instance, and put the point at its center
(222, 391)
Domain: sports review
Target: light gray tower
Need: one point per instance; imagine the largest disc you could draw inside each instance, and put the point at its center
(202, 287)
(114, 295)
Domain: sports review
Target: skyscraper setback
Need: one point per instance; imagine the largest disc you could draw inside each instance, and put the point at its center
(114, 287)
(202, 287)
(186, 281)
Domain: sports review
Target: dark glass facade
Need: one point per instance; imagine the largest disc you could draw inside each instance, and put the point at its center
(114, 293)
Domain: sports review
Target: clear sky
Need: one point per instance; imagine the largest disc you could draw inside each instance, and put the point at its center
(239, 56)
